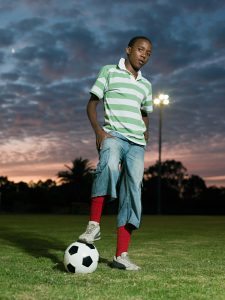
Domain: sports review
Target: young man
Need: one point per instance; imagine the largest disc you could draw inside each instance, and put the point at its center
(127, 98)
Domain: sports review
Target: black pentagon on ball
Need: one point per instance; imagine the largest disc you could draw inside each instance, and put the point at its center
(71, 268)
(87, 261)
(91, 246)
(73, 250)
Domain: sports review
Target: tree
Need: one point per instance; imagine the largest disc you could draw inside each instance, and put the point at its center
(47, 184)
(193, 187)
(80, 170)
(172, 172)
(78, 179)
(170, 169)
(6, 187)
(3, 181)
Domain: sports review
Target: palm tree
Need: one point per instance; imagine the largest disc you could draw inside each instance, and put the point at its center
(81, 168)
(78, 178)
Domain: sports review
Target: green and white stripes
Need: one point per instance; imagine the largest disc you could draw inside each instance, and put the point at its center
(124, 97)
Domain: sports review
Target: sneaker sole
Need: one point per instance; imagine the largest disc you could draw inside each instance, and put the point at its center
(120, 266)
(117, 265)
(88, 241)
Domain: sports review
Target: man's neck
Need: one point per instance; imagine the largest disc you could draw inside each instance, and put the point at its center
(130, 68)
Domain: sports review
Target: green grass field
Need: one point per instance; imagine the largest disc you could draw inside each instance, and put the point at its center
(182, 257)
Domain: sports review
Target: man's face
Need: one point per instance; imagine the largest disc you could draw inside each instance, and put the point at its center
(139, 53)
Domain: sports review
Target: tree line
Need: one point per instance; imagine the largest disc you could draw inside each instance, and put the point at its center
(181, 193)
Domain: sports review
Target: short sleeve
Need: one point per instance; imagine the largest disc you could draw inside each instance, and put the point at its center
(100, 86)
(147, 105)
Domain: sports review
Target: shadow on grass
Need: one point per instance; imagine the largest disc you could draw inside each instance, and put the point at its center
(35, 245)
(104, 261)
(39, 246)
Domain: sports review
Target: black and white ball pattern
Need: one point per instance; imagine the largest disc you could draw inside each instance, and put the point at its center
(81, 258)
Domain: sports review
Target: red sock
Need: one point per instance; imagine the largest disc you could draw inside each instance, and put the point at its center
(97, 204)
(123, 239)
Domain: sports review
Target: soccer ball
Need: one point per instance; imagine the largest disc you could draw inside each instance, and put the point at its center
(81, 258)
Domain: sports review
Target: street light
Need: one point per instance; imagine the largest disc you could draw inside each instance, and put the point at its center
(161, 101)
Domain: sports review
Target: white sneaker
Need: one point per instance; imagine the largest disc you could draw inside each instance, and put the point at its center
(91, 234)
(123, 262)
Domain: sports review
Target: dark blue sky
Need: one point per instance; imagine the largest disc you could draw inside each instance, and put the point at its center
(51, 52)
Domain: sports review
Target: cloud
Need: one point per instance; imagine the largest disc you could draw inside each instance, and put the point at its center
(28, 25)
(216, 34)
(59, 49)
(6, 37)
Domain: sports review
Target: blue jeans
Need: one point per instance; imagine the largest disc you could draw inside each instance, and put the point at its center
(119, 174)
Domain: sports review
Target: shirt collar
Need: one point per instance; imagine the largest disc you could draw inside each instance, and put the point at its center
(122, 66)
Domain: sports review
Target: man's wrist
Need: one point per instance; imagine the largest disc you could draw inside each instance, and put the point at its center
(99, 131)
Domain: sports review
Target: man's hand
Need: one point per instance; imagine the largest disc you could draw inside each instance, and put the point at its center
(100, 137)
(145, 118)
(146, 135)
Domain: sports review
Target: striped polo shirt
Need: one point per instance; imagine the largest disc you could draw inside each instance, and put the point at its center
(124, 98)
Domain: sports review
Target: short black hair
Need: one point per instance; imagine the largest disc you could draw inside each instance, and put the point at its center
(140, 37)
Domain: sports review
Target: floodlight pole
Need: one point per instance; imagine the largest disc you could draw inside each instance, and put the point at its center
(160, 102)
(159, 161)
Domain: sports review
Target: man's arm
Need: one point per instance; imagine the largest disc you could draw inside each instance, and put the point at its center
(92, 115)
(145, 118)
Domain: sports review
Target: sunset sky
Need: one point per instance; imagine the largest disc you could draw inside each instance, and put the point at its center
(51, 52)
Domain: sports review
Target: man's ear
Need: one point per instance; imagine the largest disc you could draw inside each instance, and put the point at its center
(128, 50)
